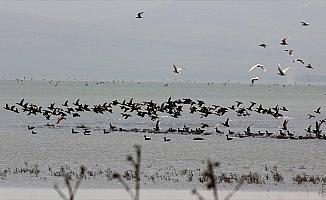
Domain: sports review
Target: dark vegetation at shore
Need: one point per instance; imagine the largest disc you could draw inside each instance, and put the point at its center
(170, 175)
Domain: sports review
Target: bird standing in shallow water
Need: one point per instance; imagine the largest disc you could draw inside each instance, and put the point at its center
(147, 138)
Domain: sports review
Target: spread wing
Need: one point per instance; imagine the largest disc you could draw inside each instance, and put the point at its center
(284, 70)
(253, 67)
(280, 69)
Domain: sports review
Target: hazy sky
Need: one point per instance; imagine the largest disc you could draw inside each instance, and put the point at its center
(210, 40)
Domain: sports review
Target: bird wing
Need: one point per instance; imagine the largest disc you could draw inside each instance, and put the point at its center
(284, 70)
(253, 67)
(252, 81)
(280, 69)
(175, 68)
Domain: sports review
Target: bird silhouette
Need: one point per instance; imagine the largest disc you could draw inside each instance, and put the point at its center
(140, 15)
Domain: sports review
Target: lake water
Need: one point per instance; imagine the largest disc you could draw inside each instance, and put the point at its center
(165, 165)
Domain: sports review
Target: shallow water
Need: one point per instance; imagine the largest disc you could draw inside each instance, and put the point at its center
(57, 146)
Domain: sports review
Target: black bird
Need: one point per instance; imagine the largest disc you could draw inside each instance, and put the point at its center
(176, 70)
(30, 127)
(311, 116)
(200, 103)
(218, 131)
(238, 103)
(106, 131)
(66, 103)
(75, 114)
(167, 139)
(198, 138)
(34, 132)
(112, 128)
(140, 15)
(309, 66)
(284, 109)
(76, 103)
(87, 131)
(147, 138)
(308, 129)
(252, 104)
(226, 123)
(229, 138)
(74, 131)
(203, 125)
(304, 23)
(248, 131)
(21, 103)
(7, 107)
(318, 110)
(126, 116)
(157, 127)
(285, 125)
(263, 45)
(299, 60)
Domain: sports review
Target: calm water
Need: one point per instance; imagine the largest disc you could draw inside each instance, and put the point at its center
(53, 147)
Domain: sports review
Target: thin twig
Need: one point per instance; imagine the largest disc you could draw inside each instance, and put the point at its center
(137, 169)
(235, 189)
(62, 195)
(199, 196)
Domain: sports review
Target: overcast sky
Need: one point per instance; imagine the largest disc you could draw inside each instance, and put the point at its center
(211, 41)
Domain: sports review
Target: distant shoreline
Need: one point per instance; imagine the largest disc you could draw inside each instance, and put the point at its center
(110, 82)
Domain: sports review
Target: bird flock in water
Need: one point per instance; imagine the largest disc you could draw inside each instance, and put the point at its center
(175, 109)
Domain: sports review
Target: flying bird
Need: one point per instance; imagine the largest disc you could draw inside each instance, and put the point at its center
(257, 66)
(285, 125)
(299, 60)
(284, 42)
(281, 71)
(254, 79)
(140, 15)
(176, 70)
(309, 66)
(317, 110)
(263, 45)
(226, 123)
(304, 23)
(290, 51)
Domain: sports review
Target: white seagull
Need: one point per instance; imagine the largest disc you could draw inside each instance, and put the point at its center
(258, 66)
(254, 79)
(176, 70)
(281, 71)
